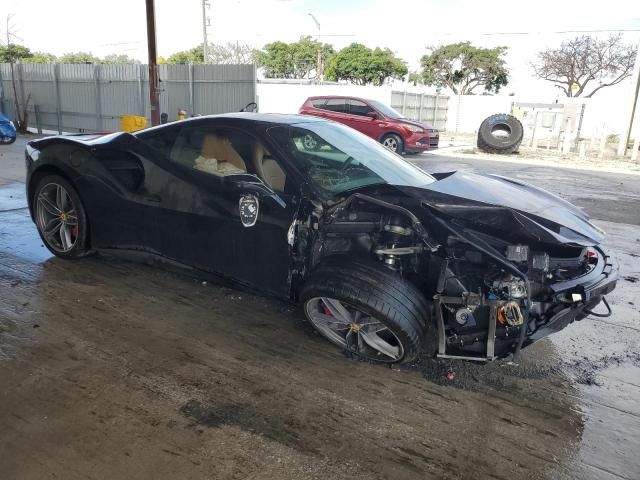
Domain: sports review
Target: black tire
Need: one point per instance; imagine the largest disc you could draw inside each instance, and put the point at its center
(500, 133)
(9, 141)
(79, 236)
(393, 142)
(378, 292)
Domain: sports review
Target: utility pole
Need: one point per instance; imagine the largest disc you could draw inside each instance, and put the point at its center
(154, 95)
(319, 59)
(205, 24)
(635, 78)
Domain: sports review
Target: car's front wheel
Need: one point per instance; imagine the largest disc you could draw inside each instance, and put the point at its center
(310, 144)
(60, 217)
(367, 310)
(393, 142)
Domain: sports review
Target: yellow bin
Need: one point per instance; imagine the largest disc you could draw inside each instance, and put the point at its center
(131, 123)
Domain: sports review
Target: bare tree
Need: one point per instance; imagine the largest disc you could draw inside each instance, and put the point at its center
(12, 54)
(587, 64)
(230, 53)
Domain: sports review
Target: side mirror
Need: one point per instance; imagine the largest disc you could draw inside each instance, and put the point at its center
(247, 183)
(372, 115)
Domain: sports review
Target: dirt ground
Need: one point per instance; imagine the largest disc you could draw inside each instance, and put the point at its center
(113, 369)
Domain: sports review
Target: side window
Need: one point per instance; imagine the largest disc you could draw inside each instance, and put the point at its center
(336, 105)
(207, 149)
(319, 102)
(162, 139)
(222, 151)
(356, 107)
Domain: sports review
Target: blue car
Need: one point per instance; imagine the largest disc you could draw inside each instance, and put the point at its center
(7, 130)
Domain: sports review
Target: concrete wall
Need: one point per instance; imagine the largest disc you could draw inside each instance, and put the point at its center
(466, 112)
(601, 116)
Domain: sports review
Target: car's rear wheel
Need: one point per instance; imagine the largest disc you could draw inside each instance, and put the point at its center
(367, 310)
(393, 142)
(60, 217)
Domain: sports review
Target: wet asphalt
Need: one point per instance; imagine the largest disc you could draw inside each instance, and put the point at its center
(112, 369)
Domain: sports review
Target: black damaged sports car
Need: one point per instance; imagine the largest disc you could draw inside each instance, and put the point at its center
(387, 260)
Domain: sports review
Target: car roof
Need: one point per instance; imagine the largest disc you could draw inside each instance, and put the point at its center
(264, 118)
(284, 118)
(320, 97)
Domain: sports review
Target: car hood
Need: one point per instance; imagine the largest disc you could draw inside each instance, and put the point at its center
(407, 121)
(507, 208)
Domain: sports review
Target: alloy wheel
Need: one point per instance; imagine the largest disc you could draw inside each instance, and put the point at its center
(391, 143)
(57, 217)
(354, 330)
(309, 142)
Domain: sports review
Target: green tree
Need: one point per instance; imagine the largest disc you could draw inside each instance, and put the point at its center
(12, 53)
(194, 55)
(415, 78)
(463, 68)
(361, 65)
(293, 60)
(40, 57)
(79, 57)
(118, 58)
(276, 59)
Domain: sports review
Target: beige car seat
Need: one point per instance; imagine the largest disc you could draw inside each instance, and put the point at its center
(220, 148)
(268, 169)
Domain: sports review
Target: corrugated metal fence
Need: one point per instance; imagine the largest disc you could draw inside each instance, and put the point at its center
(422, 107)
(79, 98)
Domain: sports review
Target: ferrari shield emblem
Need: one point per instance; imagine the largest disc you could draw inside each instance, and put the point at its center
(249, 207)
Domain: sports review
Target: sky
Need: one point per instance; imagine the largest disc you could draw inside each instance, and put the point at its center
(407, 27)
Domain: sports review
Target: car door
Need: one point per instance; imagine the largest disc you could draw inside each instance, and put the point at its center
(118, 189)
(199, 209)
(359, 117)
(336, 109)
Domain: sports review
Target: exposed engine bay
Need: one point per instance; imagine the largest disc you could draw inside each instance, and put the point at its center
(491, 296)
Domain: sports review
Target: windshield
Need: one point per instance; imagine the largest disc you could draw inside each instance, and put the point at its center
(385, 110)
(336, 158)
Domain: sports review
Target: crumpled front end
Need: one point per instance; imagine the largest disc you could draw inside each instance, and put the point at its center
(499, 278)
(489, 308)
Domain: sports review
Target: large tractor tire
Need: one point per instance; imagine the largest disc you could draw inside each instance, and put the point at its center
(500, 133)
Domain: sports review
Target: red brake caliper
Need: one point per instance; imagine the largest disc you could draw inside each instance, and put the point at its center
(326, 310)
(75, 227)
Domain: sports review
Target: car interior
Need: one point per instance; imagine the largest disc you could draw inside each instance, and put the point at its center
(226, 153)
(267, 168)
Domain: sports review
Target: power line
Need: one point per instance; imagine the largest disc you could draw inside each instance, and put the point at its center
(488, 34)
